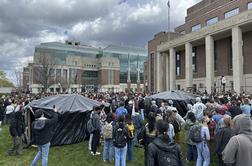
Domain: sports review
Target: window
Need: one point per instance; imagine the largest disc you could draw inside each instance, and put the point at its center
(178, 87)
(196, 27)
(212, 21)
(52, 72)
(250, 5)
(194, 60)
(74, 76)
(110, 77)
(232, 13)
(58, 75)
(178, 64)
(65, 74)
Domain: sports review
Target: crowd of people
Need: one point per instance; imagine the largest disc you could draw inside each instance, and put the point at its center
(215, 125)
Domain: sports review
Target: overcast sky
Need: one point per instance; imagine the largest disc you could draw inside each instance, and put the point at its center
(26, 23)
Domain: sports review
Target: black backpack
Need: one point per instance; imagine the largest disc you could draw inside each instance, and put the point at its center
(195, 133)
(168, 157)
(120, 136)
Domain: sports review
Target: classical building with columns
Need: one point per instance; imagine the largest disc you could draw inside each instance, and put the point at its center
(214, 41)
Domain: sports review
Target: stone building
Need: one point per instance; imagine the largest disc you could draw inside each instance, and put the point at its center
(215, 41)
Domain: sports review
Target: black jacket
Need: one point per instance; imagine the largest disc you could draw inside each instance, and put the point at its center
(2, 110)
(43, 130)
(163, 143)
(17, 125)
(222, 138)
(96, 121)
(235, 110)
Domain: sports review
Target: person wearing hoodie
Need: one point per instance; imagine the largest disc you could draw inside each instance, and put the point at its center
(17, 128)
(198, 109)
(97, 130)
(42, 133)
(238, 151)
(222, 137)
(191, 150)
(162, 151)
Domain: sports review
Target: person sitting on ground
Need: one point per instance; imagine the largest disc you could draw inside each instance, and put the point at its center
(163, 152)
(238, 150)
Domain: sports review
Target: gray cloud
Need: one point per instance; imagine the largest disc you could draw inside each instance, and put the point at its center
(26, 23)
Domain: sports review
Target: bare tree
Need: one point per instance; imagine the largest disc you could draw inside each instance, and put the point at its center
(44, 70)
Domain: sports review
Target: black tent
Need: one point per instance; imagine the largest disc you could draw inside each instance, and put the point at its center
(180, 100)
(74, 113)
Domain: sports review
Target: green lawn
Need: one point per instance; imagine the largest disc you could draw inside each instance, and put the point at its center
(68, 155)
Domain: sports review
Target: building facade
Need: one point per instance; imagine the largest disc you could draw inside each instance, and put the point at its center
(215, 42)
(72, 67)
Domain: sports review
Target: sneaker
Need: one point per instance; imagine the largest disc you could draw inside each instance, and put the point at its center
(97, 153)
(104, 161)
(92, 152)
(89, 148)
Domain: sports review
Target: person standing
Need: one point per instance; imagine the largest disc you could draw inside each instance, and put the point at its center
(96, 131)
(108, 142)
(202, 147)
(223, 83)
(120, 136)
(238, 150)
(42, 133)
(9, 114)
(121, 111)
(1, 112)
(222, 138)
(17, 129)
(163, 152)
(191, 150)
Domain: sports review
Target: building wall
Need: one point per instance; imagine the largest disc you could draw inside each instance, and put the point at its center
(207, 9)
(200, 62)
(223, 54)
(247, 52)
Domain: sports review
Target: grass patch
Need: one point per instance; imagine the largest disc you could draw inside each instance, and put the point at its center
(68, 155)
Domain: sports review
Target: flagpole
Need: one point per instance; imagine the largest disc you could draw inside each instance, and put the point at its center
(168, 5)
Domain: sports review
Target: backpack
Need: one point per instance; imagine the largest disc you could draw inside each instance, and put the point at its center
(107, 131)
(120, 137)
(195, 133)
(90, 126)
(131, 130)
(168, 157)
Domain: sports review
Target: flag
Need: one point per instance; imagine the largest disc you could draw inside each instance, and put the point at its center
(168, 4)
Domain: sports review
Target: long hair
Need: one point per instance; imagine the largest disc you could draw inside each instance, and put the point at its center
(151, 121)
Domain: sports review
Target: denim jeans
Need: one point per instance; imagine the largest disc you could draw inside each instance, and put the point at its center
(191, 152)
(43, 152)
(90, 141)
(120, 156)
(142, 113)
(203, 158)
(130, 150)
(108, 150)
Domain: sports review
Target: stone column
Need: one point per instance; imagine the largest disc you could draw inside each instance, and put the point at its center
(237, 44)
(167, 72)
(209, 45)
(158, 74)
(172, 53)
(188, 65)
